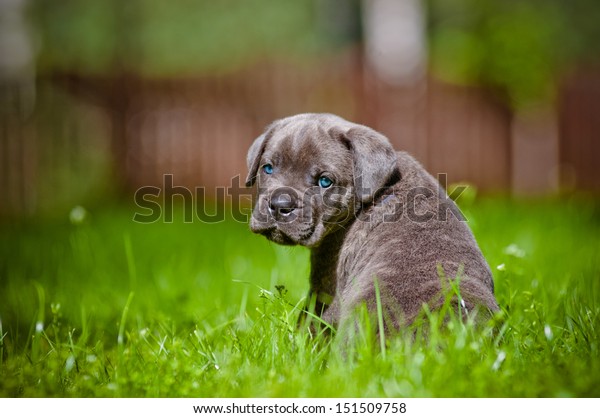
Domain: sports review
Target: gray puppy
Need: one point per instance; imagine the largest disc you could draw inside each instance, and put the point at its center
(373, 218)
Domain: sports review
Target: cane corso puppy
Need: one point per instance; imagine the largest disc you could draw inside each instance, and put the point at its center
(379, 227)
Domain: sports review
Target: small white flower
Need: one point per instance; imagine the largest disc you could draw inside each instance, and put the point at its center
(548, 332)
(514, 250)
(77, 215)
(217, 366)
(69, 363)
(39, 326)
(501, 267)
(499, 360)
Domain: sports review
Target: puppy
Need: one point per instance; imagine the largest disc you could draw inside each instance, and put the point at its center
(379, 227)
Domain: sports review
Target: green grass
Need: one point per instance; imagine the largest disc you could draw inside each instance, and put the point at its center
(114, 308)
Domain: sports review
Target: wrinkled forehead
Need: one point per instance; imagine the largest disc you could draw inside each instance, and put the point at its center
(304, 142)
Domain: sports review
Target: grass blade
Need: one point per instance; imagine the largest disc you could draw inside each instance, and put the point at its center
(123, 320)
(380, 319)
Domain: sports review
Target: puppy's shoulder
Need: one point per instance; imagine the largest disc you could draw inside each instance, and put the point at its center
(407, 160)
(412, 173)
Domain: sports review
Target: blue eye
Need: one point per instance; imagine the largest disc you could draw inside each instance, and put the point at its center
(268, 169)
(325, 182)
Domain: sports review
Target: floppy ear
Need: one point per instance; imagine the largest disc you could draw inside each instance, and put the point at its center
(253, 158)
(375, 161)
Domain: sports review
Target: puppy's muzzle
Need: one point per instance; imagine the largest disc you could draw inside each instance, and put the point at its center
(283, 203)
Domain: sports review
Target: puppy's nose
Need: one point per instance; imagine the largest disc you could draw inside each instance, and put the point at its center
(283, 202)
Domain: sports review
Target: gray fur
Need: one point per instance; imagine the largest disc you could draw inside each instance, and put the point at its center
(385, 218)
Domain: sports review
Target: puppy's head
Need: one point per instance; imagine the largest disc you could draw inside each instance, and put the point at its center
(313, 172)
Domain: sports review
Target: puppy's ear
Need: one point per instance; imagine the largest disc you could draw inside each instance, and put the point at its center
(253, 158)
(375, 161)
(256, 151)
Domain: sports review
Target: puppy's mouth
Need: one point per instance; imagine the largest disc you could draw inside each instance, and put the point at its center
(276, 234)
(298, 226)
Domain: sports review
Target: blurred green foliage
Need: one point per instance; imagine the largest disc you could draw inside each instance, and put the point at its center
(158, 38)
(520, 46)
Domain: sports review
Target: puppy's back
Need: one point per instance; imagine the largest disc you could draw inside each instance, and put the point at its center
(413, 239)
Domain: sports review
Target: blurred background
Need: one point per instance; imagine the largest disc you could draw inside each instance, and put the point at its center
(98, 98)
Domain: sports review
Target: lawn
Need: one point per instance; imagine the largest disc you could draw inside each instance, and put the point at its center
(109, 307)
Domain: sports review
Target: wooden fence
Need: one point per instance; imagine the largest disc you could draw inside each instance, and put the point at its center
(199, 129)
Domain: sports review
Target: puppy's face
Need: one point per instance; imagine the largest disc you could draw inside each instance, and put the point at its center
(306, 170)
